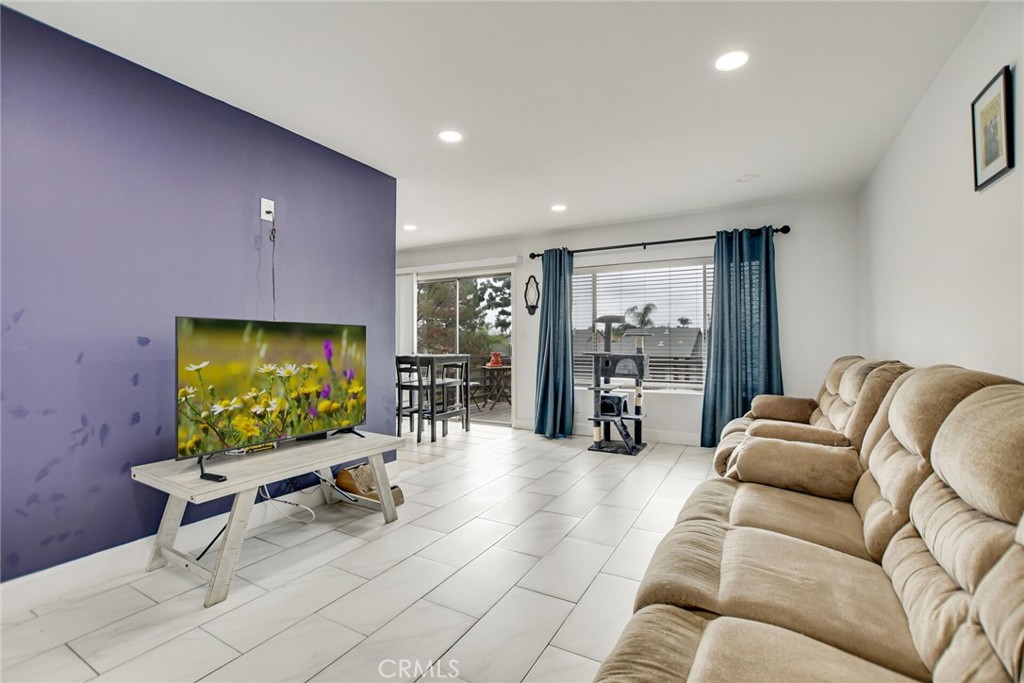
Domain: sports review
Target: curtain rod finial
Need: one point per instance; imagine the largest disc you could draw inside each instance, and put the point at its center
(784, 229)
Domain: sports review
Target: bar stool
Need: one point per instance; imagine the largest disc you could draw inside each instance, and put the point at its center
(411, 391)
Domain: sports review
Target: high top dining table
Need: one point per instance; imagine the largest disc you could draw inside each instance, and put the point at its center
(430, 376)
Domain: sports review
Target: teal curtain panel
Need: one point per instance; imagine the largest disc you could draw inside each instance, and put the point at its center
(744, 358)
(554, 357)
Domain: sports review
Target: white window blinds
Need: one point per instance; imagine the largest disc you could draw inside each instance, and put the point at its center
(667, 302)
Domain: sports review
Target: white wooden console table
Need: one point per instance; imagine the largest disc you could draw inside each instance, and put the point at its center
(245, 474)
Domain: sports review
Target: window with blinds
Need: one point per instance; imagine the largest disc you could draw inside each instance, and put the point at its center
(667, 304)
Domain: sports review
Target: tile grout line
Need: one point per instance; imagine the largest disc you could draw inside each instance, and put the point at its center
(68, 646)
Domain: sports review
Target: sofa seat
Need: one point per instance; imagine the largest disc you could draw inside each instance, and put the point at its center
(721, 504)
(663, 644)
(830, 523)
(835, 598)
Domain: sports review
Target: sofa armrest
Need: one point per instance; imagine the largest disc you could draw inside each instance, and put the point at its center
(824, 471)
(785, 408)
(793, 431)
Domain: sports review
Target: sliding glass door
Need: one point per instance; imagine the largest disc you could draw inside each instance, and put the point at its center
(472, 315)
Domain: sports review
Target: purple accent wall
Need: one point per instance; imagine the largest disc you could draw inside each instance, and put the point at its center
(128, 199)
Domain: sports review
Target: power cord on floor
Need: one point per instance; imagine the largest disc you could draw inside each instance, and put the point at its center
(265, 495)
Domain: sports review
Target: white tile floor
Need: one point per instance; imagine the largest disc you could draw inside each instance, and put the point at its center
(515, 558)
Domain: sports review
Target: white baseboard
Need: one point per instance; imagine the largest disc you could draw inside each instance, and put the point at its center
(673, 437)
(115, 566)
(661, 435)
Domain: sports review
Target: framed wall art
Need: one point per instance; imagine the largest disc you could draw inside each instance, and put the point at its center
(992, 125)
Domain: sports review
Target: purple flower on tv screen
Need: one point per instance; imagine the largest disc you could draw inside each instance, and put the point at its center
(328, 350)
(326, 391)
(312, 411)
(350, 374)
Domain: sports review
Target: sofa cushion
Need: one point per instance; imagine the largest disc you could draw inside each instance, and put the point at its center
(742, 650)
(962, 638)
(725, 449)
(826, 471)
(989, 645)
(988, 425)
(935, 605)
(785, 408)
(827, 595)
(657, 645)
(871, 394)
(964, 541)
(834, 374)
(830, 523)
(738, 425)
(841, 600)
(788, 431)
(686, 565)
(884, 492)
(970, 659)
(998, 607)
(851, 383)
(925, 400)
(668, 644)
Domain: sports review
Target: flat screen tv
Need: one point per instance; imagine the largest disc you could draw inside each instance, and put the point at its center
(242, 384)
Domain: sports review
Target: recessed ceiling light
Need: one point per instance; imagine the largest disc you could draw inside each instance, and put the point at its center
(558, 208)
(409, 227)
(731, 61)
(747, 178)
(450, 136)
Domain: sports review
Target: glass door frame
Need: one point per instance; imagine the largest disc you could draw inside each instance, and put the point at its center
(508, 269)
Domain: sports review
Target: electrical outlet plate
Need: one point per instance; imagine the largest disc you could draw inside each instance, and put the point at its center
(266, 209)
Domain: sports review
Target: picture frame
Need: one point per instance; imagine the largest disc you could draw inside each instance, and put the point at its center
(992, 129)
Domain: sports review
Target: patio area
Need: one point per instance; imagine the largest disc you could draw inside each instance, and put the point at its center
(494, 413)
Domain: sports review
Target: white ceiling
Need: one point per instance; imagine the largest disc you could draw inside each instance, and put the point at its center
(612, 108)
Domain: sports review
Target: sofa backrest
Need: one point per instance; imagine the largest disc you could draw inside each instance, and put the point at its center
(862, 389)
(850, 384)
(958, 565)
(830, 390)
(896, 449)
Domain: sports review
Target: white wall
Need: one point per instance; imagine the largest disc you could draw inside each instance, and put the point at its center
(942, 264)
(816, 282)
(405, 314)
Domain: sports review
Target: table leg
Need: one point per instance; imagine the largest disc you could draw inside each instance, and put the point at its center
(230, 547)
(465, 389)
(433, 402)
(491, 389)
(419, 414)
(380, 476)
(168, 531)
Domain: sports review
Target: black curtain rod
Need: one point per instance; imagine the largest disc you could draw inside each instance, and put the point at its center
(784, 230)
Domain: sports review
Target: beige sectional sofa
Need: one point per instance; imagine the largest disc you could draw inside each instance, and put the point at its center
(848, 400)
(800, 567)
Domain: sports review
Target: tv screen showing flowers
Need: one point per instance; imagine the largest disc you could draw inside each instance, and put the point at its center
(244, 383)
